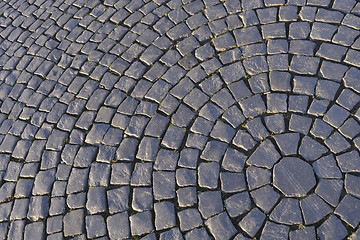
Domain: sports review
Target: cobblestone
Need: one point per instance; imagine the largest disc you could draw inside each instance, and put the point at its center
(174, 119)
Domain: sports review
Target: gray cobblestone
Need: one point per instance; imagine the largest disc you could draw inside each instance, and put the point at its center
(189, 105)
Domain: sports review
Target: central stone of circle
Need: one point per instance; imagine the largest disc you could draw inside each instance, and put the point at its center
(293, 177)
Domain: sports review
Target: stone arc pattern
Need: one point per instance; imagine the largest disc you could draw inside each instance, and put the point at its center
(180, 119)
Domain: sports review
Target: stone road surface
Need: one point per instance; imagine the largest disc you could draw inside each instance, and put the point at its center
(180, 119)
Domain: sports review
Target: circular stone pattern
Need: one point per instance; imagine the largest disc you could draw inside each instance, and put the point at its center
(293, 177)
(172, 119)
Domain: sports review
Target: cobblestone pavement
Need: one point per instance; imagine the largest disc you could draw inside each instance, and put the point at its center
(180, 119)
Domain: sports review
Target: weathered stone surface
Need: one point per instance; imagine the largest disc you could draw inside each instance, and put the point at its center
(314, 209)
(210, 203)
(74, 223)
(238, 204)
(164, 215)
(264, 156)
(310, 149)
(293, 177)
(348, 210)
(252, 222)
(332, 228)
(118, 225)
(141, 223)
(220, 226)
(179, 119)
(265, 198)
(305, 233)
(273, 230)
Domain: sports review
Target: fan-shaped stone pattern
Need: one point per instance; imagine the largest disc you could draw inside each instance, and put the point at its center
(293, 177)
(167, 119)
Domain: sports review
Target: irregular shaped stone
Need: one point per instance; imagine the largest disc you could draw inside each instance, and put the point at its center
(186, 196)
(352, 184)
(314, 209)
(185, 177)
(173, 233)
(220, 226)
(326, 167)
(223, 132)
(95, 226)
(293, 177)
(255, 65)
(173, 137)
(332, 229)
(19, 210)
(273, 230)
(99, 175)
(300, 124)
(304, 65)
(166, 160)
(243, 140)
(118, 225)
(96, 200)
(34, 230)
(189, 218)
(127, 149)
(276, 102)
(164, 215)
(238, 204)
(348, 210)
(208, 175)
(232, 182)
(197, 233)
(322, 31)
(163, 185)
(273, 30)
(74, 223)
(5, 211)
(311, 149)
(275, 123)
(257, 177)
(305, 233)
(188, 158)
(265, 198)
(141, 175)
(349, 161)
(77, 180)
(252, 222)
(351, 79)
(330, 190)
(117, 199)
(264, 156)
(288, 143)
(214, 151)
(210, 203)
(141, 223)
(337, 143)
(287, 212)
(247, 36)
(321, 129)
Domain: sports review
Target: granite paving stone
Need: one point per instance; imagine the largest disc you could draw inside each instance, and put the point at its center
(348, 210)
(296, 170)
(140, 223)
(330, 190)
(172, 119)
(332, 228)
(314, 208)
(220, 226)
(252, 222)
(114, 221)
(272, 230)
